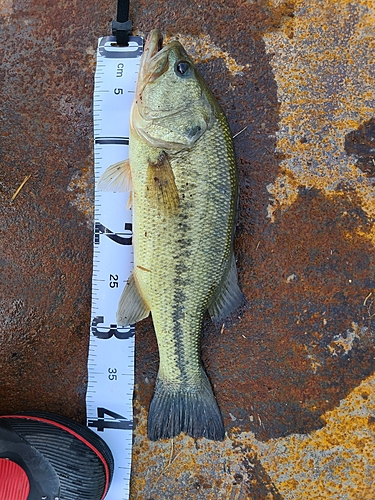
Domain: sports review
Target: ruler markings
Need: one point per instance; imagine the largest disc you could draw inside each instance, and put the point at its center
(111, 350)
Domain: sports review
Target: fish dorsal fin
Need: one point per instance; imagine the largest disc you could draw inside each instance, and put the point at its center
(131, 307)
(161, 187)
(228, 297)
(116, 178)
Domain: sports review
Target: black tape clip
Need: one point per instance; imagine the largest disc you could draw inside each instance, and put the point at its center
(122, 27)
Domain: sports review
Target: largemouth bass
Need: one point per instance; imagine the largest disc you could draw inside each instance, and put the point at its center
(182, 175)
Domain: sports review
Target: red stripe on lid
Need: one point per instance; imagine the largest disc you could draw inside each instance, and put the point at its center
(14, 483)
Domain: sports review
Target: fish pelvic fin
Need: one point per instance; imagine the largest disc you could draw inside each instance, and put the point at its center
(131, 307)
(194, 412)
(116, 178)
(161, 187)
(228, 298)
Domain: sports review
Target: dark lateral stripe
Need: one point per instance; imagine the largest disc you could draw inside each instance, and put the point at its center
(179, 328)
(112, 140)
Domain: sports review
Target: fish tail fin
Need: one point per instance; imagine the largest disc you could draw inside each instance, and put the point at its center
(194, 412)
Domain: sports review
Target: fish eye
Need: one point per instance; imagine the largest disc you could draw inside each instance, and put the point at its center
(182, 68)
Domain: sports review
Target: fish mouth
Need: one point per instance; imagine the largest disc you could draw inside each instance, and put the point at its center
(154, 61)
(153, 45)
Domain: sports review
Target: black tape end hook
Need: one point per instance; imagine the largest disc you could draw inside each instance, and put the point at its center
(122, 31)
(122, 27)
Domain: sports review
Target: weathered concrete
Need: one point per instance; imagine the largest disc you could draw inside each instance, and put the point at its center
(294, 376)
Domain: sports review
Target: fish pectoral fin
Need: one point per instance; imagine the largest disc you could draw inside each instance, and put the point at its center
(161, 187)
(116, 178)
(132, 307)
(228, 297)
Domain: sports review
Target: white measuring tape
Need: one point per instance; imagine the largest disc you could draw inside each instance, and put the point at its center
(111, 352)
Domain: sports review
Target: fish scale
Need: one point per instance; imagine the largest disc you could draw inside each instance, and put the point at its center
(164, 249)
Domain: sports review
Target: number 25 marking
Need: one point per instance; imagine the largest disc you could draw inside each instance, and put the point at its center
(113, 280)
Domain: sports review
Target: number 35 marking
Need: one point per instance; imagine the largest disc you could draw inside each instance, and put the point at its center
(112, 373)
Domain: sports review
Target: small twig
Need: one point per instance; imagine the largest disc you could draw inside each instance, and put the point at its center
(170, 461)
(240, 132)
(20, 187)
(368, 296)
(172, 450)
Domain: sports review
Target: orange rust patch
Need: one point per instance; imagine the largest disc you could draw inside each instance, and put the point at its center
(335, 460)
(326, 93)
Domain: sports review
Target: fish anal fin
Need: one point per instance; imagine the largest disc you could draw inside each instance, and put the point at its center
(132, 307)
(129, 203)
(228, 298)
(161, 187)
(116, 178)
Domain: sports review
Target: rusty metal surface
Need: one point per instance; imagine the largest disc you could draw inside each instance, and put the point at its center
(46, 232)
(294, 376)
